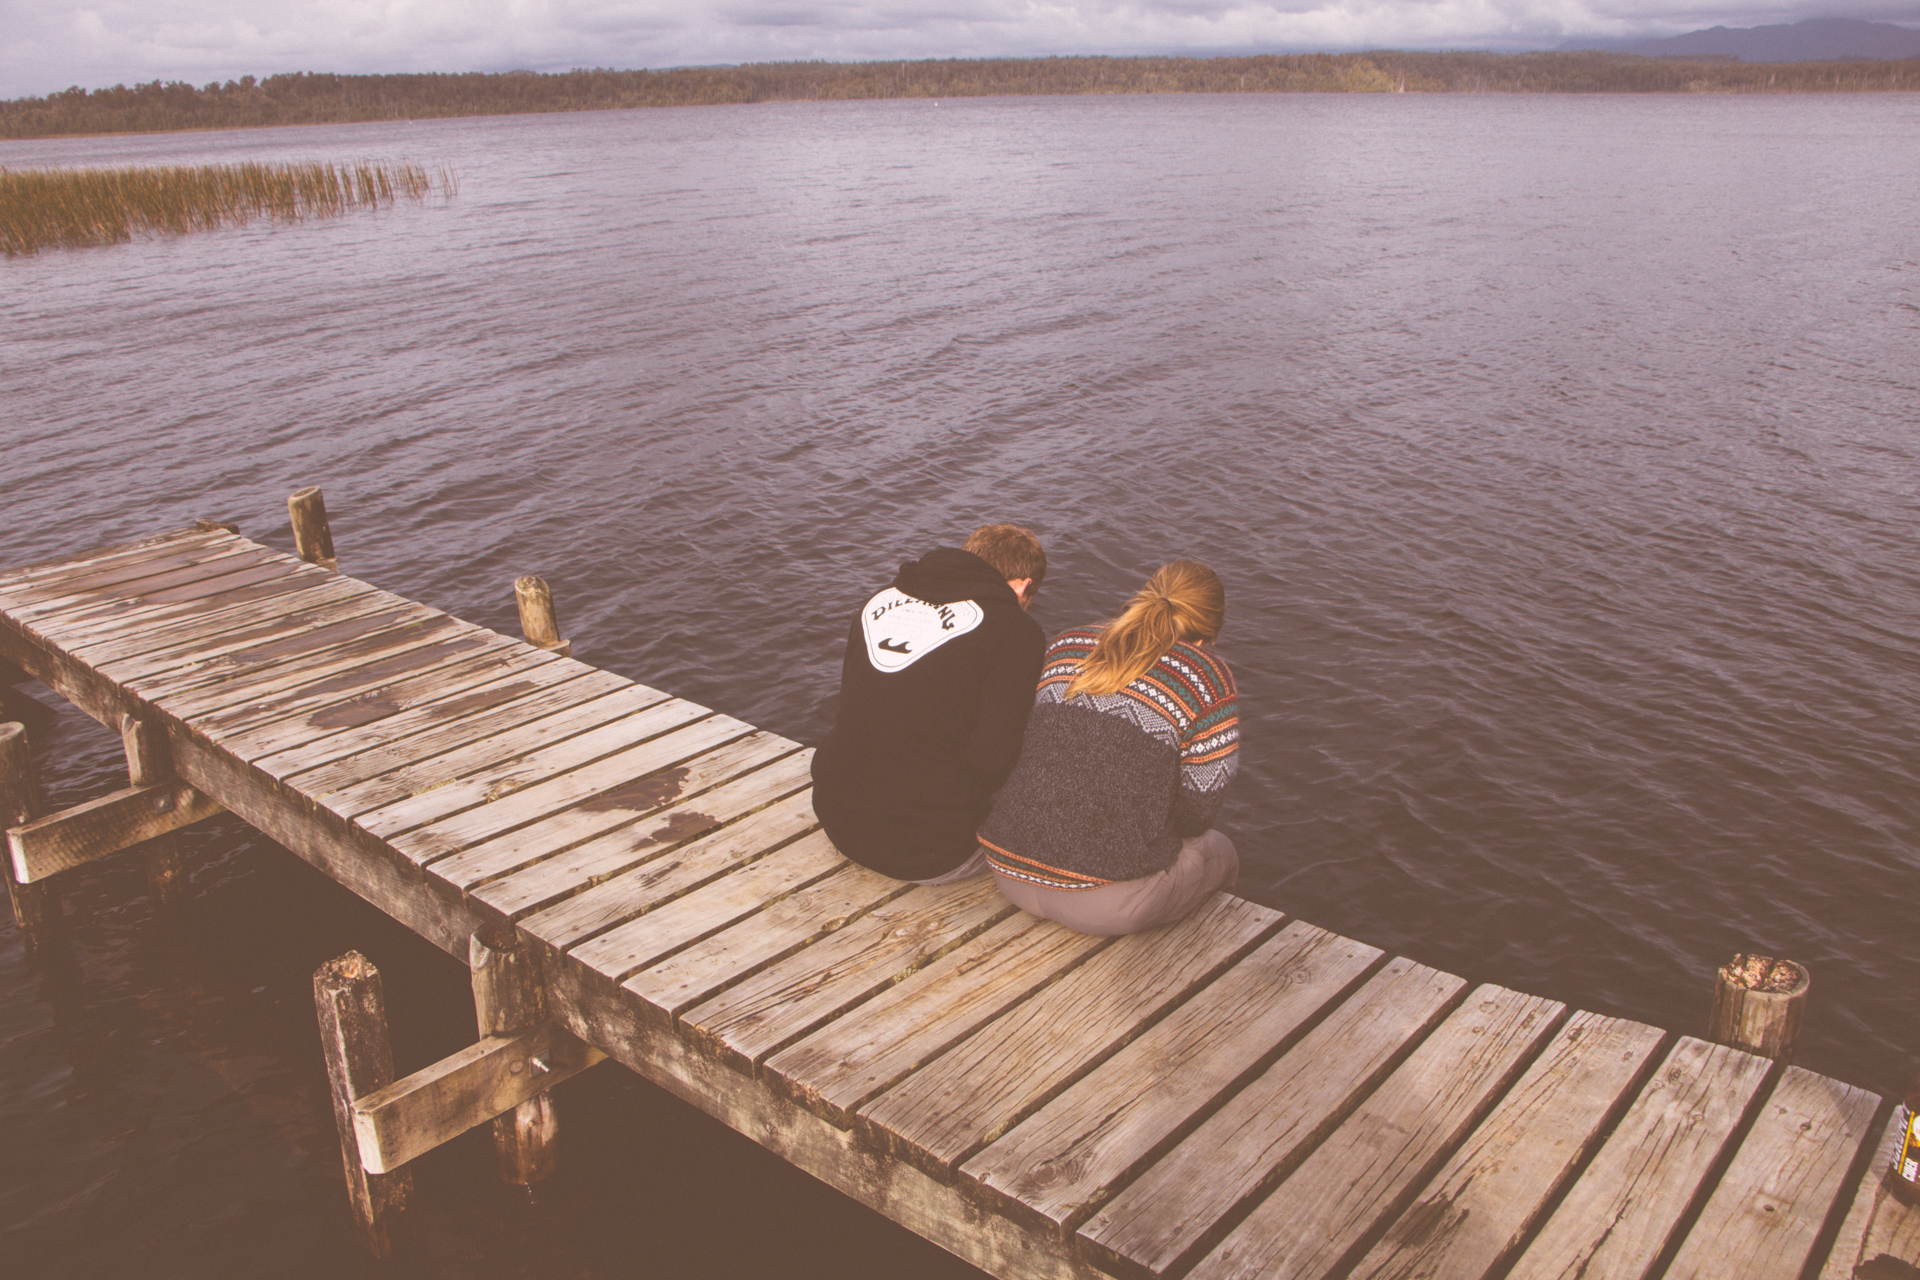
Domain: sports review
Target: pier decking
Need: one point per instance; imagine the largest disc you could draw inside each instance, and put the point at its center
(1240, 1094)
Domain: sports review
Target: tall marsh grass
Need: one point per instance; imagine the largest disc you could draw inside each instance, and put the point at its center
(72, 208)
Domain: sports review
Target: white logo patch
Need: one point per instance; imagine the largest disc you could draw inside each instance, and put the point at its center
(901, 630)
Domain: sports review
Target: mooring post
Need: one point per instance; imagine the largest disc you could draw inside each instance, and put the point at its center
(150, 762)
(538, 622)
(312, 537)
(36, 907)
(1758, 1002)
(353, 1035)
(508, 1000)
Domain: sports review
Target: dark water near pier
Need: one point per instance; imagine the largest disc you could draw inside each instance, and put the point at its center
(1559, 455)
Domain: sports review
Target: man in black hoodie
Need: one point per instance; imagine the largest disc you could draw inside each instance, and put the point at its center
(934, 694)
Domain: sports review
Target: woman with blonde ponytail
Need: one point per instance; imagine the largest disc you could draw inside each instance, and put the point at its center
(1106, 823)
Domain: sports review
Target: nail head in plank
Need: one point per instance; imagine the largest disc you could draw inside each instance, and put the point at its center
(1475, 1212)
(969, 1096)
(1062, 1161)
(1616, 1220)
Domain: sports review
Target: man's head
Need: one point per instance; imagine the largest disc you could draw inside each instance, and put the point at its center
(1015, 553)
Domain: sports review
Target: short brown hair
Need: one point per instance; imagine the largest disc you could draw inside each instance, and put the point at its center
(1013, 552)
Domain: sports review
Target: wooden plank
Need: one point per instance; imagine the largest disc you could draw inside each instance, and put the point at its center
(510, 761)
(116, 821)
(621, 898)
(1879, 1233)
(299, 721)
(130, 610)
(89, 579)
(170, 626)
(191, 644)
(1475, 1213)
(577, 804)
(25, 575)
(851, 1061)
(1773, 1199)
(969, 1096)
(519, 698)
(784, 1001)
(81, 599)
(357, 665)
(1617, 1218)
(681, 816)
(1175, 1208)
(698, 973)
(411, 1117)
(269, 664)
(1062, 1162)
(1362, 1173)
(687, 918)
(647, 843)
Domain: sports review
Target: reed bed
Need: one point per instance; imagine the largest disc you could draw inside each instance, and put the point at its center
(73, 208)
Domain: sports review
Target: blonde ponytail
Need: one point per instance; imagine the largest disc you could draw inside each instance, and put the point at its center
(1182, 601)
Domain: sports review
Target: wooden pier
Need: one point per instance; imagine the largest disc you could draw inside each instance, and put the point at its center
(638, 877)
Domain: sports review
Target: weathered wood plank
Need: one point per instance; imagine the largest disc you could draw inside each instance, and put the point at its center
(195, 646)
(170, 626)
(116, 821)
(1774, 1197)
(645, 842)
(119, 622)
(695, 975)
(958, 1103)
(235, 566)
(584, 802)
(1361, 1174)
(133, 609)
(63, 566)
(849, 1062)
(518, 699)
(1172, 1210)
(664, 929)
(487, 770)
(784, 1001)
(277, 664)
(253, 733)
(1061, 1163)
(621, 898)
(1879, 1232)
(1477, 1210)
(94, 580)
(1617, 1218)
(436, 1104)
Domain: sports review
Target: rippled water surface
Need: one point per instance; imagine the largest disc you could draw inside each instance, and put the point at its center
(1558, 453)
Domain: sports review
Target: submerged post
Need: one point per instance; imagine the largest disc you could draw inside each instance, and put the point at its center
(312, 538)
(1758, 1002)
(508, 1000)
(353, 1035)
(36, 907)
(150, 762)
(538, 622)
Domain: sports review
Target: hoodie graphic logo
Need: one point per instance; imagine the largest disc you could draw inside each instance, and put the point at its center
(901, 630)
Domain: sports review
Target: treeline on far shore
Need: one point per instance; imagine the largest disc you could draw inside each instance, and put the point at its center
(310, 98)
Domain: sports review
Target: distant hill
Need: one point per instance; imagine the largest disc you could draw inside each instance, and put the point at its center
(1815, 40)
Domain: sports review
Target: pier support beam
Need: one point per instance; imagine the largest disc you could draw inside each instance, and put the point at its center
(149, 763)
(508, 1001)
(1758, 1003)
(312, 536)
(36, 907)
(538, 622)
(353, 1034)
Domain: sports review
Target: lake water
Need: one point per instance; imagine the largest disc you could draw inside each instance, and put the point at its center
(1559, 455)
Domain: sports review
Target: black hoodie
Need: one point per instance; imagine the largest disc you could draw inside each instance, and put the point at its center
(935, 689)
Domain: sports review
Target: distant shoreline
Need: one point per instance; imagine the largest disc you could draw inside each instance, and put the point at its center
(303, 98)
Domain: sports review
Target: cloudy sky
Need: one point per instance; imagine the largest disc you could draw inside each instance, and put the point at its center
(46, 45)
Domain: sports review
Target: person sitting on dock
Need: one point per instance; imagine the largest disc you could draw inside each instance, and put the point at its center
(1105, 825)
(935, 691)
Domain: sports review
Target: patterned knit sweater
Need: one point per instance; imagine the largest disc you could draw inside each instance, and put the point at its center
(1108, 785)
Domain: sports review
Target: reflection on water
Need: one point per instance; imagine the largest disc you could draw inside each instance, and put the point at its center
(1558, 454)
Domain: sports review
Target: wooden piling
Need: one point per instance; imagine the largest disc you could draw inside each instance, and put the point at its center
(149, 763)
(352, 1010)
(508, 999)
(36, 907)
(1758, 1002)
(312, 536)
(538, 622)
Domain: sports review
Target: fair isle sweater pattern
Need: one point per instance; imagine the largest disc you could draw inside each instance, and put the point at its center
(1066, 819)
